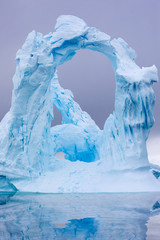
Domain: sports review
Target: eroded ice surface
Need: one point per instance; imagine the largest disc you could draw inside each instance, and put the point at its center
(28, 144)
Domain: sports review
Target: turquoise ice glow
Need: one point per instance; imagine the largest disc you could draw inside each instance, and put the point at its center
(28, 143)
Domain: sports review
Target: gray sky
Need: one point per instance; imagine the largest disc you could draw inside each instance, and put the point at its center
(89, 74)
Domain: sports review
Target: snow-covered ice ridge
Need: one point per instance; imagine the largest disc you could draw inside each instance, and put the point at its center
(28, 143)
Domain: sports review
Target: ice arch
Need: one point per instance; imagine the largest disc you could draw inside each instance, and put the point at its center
(28, 144)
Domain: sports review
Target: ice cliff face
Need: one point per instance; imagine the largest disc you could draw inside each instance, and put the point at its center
(28, 144)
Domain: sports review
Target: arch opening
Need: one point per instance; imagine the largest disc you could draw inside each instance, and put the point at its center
(91, 79)
(57, 119)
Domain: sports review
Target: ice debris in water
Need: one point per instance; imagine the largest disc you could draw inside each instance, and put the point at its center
(28, 143)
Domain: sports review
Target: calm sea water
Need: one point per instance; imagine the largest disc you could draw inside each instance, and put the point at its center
(124, 216)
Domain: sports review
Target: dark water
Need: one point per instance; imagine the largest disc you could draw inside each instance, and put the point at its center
(80, 216)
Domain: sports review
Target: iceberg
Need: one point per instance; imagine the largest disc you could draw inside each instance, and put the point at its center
(112, 159)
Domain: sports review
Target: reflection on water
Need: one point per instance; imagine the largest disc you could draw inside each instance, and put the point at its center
(80, 216)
